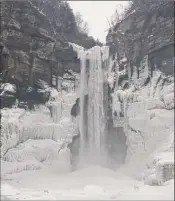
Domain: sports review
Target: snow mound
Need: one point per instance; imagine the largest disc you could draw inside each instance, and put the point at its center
(34, 155)
(94, 189)
(16, 167)
(40, 150)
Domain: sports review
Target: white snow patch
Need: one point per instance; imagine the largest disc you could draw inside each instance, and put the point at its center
(7, 87)
(124, 59)
(92, 183)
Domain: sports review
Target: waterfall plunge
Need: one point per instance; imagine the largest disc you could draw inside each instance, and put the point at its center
(92, 136)
(96, 113)
(83, 88)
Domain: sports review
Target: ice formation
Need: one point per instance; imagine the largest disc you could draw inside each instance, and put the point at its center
(148, 116)
(24, 131)
(143, 108)
(33, 139)
(96, 113)
(92, 82)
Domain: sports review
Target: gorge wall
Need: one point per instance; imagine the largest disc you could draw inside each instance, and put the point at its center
(142, 79)
(31, 30)
(147, 29)
(34, 45)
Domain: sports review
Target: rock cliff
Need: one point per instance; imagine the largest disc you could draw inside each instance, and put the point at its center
(146, 29)
(34, 43)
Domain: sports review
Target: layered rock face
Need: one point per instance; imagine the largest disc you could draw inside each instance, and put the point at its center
(33, 38)
(147, 29)
(34, 46)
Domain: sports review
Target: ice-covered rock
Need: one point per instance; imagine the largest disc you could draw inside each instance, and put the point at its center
(149, 120)
(40, 135)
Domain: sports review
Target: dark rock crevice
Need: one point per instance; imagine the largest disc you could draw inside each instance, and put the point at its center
(116, 146)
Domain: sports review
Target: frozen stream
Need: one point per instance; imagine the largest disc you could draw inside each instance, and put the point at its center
(90, 183)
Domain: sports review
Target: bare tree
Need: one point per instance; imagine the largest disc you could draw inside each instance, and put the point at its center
(81, 24)
(120, 13)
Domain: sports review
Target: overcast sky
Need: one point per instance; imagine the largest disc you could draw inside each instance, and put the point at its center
(95, 13)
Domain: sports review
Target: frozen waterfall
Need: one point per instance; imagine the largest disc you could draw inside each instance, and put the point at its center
(83, 89)
(92, 83)
(96, 114)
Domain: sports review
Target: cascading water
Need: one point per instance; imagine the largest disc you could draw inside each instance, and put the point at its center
(83, 89)
(96, 117)
(92, 82)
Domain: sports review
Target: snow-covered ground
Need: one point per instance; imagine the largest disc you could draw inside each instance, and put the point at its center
(88, 184)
